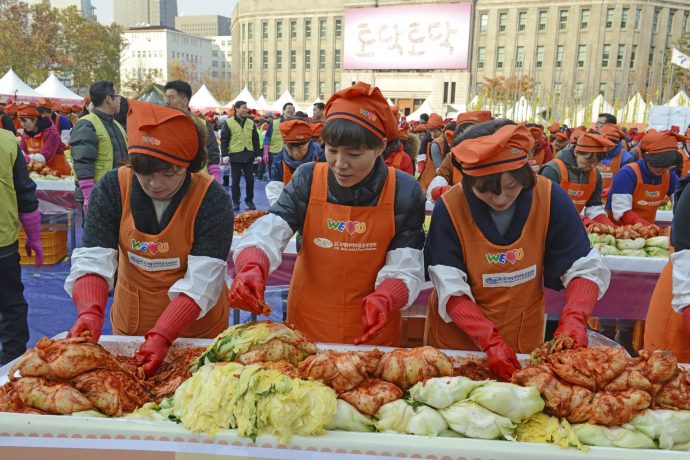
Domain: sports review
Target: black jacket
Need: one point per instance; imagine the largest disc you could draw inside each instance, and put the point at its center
(408, 207)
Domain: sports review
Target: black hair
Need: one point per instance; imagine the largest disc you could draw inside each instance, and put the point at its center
(663, 159)
(319, 105)
(424, 118)
(609, 118)
(44, 109)
(100, 90)
(182, 87)
(340, 132)
(287, 104)
(524, 175)
(121, 116)
(301, 116)
(239, 104)
(392, 146)
(146, 164)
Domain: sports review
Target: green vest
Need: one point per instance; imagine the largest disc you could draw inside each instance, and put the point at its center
(9, 212)
(240, 137)
(202, 124)
(276, 144)
(104, 160)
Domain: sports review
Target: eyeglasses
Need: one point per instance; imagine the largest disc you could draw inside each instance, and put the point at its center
(295, 145)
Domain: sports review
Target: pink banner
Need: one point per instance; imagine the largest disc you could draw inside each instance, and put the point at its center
(408, 37)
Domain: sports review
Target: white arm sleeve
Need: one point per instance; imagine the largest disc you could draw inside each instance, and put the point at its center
(438, 181)
(270, 233)
(203, 282)
(65, 136)
(620, 204)
(590, 267)
(407, 265)
(92, 261)
(594, 211)
(273, 191)
(681, 280)
(448, 281)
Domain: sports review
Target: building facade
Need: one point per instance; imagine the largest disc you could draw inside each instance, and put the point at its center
(203, 26)
(83, 6)
(139, 13)
(571, 49)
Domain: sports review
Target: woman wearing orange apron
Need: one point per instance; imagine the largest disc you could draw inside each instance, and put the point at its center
(163, 228)
(395, 156)
(360, 261)
(541, 152)
(614, 159)
(575, 171)
(40, 137)
(493, 245)
(641, 187)
(668, 317)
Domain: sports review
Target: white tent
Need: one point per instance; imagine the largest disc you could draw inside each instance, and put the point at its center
(263, 105)
(453, 110)
(203, 99)
(634, 111)
(12, 85)
(247, 97)
(286, 97)
(600, 105)
(521, 111)
(53, 88)
(424, 108)
(390, 102)
(679, 100)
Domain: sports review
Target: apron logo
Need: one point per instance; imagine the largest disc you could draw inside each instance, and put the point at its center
(151, 247)
(498, 280)
(575, 193)
(324, 243)
(348, 226)
(653, 194)
(512, 256)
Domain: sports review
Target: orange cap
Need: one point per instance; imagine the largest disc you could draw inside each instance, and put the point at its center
(161, 132)
(478, 116)
(554, 127)
(28, 112)
(316, 129)
(11, 109)
(403, 135)
(418, 128)
(536, 132)
(560, 136)
(577, 132)
(435, 121)
(611, 131)
(44, 102)
(396, 111)
(365, 105)
(295, 130)
(505, 150)
(593, 142)
(661, 141)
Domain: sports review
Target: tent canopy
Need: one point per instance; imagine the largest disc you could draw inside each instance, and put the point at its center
(13, 86)
(53, 88)
(203, 99)
(286, 97)
(153, 93)
(424, 108)
(679, 100)
(634, 111)
(263, 105)
(247, 97)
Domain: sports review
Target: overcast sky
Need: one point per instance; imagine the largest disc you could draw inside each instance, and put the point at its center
(104, 8)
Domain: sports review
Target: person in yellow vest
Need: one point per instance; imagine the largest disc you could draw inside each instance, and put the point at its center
(495, 243)
(273, 141)
(239, 140)
(19, 206)
(98, 142)
(163, 228)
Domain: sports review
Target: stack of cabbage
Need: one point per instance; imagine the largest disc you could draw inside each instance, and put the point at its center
(608, 245)
(449, 406)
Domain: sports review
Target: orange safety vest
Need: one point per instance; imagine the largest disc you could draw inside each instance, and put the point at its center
(341, 243)
(506, 281)
(608, 171)
(579, 193)
(58, 162)
(647, 198)
(150, 264)
(664, 328)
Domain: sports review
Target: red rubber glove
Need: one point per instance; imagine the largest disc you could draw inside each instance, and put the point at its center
(631, 218)
(604, 219)
(90, 294)
(467, 315)
(249, 285)
(180, 313)
(585, 221)
(580, 299)
(438, 191)
(390, 296)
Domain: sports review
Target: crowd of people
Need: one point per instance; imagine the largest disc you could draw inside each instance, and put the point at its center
(512, 205)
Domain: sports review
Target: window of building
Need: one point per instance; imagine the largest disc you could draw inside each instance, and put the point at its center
(655, 19)
(616, 89)
(264, 60)
(581, 54)
(481, 57)
(214, 63)
(307, 90)
(650, 58)
(557, 88)
(336, 59)
(500, 56)
(602, 89)
(278, 89)
(279, 59)
(336, 86)
(214, 53)
(307, 59)
(543, 16)
(338, 27)
(250, 31)
(279, 29)
(560, 50)
(293, 30)
(578, 90)
(250, 60)
(264, 29)
(244, 31)
(483, 22)
(502, 21)
(452, 93)
(322, 28)
(519, 57)
(619, 56)
(264, 86)
(292, 87)
(638, 13)
(522, 21)
(537, 89)
(539, 62)
(562, 19)
(606, 55)
(293, 59)
(684, 24)
(445, 92)
(322, 89)
(624, 18)
(307, 28)
(633, 55)
(584, 18)
(609, 17)
(322, 59)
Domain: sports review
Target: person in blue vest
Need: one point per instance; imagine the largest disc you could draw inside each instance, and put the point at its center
(239, 140)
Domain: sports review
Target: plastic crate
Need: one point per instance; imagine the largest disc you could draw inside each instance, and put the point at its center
(54, 239)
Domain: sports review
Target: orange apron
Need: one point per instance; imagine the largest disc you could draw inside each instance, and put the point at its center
(506, 281)
(647, 198)
(664, 328)
(608, 171)
(429, 172)
(58, 162)
(150, 264)
(579, 193)
(343, 249)
(287, 173)
(537, 160)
